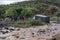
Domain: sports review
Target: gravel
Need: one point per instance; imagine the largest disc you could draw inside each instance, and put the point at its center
(37, 33)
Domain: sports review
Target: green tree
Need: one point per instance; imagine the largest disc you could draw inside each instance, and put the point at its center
(11, 12)
(58, 14)
(28, 12)
(19, 10)
(2, 11)
(58, 17)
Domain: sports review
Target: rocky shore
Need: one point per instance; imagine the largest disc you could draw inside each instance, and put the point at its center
(37, 33)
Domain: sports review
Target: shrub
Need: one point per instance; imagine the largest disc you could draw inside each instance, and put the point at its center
(37, 23)
(22, 24)
(27, 24)
(7, 19)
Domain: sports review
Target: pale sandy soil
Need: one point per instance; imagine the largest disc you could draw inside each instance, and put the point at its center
(45, 32)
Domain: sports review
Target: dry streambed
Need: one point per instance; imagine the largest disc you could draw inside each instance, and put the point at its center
(39, 33)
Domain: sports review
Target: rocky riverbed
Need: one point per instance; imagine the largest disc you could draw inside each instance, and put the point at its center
(51, 32)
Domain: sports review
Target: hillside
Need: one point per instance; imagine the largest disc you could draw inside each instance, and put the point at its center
(38, 7)
(54, 2)
(25, 4)
(30, 20)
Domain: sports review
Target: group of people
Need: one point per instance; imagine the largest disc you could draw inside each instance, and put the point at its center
(16, 18)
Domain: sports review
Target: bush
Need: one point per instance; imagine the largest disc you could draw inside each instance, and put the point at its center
(53, 18)
(22, 24)
(37, 23)
(7, 19)
(27, 24)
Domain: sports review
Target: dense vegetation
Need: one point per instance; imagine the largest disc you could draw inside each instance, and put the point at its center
(28, 9)
(36, 7)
